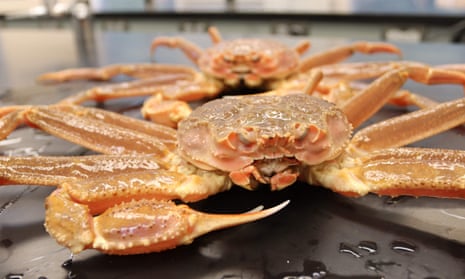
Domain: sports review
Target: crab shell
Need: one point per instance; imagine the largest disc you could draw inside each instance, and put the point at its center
(269, 133)
(249, 60)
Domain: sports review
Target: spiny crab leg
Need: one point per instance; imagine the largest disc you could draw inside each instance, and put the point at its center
(99, 130)
(365, 70)
(338, 54)
(138, 71)
(339, 92)
(398, 171)
(374, 164)
(53, 170)
(454, 67)
(135, 227)
(363, 105)
(100, 180)
(411, 127)
(192, 51)
(172, 82)
(135, 88)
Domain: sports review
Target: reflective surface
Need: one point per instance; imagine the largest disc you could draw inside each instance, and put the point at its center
(318, 234)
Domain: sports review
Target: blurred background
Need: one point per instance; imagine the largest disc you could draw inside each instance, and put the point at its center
(77, 32)
(394, 20)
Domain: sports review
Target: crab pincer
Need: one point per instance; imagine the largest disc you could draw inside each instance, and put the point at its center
(135, 227)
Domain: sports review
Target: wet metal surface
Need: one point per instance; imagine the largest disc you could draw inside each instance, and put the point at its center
(318, 235)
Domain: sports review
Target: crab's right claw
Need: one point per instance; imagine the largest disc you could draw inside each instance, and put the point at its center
(151, 226)
(136, 227)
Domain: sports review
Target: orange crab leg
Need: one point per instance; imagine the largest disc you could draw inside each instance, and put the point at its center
(103, 192)
(136, 88)
(363, 105)
(302, 47)
(103, 180)
(410, 127)
(215, 34)
(375, 165)
(192, 51)
(414, 172)
(138, 71)
(135, 227)
(398, 171)
(453, 67)
(53, 170)
(340, 92)
(341, 53)
(169, 80)
(104, 132)
(365, 70)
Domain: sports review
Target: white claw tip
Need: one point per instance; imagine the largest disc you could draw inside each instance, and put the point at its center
(277, 208)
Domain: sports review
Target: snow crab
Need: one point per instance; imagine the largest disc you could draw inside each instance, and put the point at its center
(120, 202)
(229, 65)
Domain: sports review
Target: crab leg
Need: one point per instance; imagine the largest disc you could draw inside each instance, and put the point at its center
(341, 53)
(397, 171)
(171, 82)
(138, 71)
(136, 88)
(374, 165)
(453, 67)
(340, 92)
(134, 227)
(411, 127)
(53, 170)
(99, 130)
(365, 70)
(192, 51)
(363, 105)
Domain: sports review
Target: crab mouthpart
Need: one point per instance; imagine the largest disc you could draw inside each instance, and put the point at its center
(278, 173)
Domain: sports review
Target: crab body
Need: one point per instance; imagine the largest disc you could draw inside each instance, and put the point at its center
(250, 62)
(269, 137)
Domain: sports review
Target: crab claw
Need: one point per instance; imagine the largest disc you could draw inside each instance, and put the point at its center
(136, 227)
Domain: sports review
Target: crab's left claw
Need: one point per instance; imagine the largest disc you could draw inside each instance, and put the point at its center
(135, 227)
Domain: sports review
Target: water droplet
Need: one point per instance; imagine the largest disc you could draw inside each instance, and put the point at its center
(349, 249)
(67, 264)
(71, 275)
(403, 246)
(14, 276)
(6, 242)
(368, 246)
(316, 270)
(377, 265)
